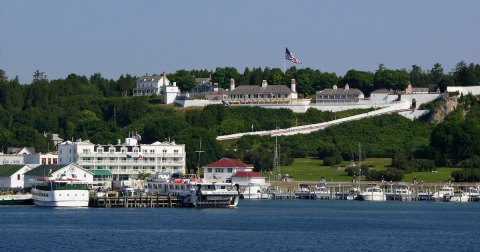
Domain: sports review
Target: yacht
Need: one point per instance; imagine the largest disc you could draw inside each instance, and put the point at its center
(444, 194)
(193, 192)
(401, 193)
(460, 196)
(254, 191)
(60, 192)
(16, 199)
(372, 193)
(321, 191)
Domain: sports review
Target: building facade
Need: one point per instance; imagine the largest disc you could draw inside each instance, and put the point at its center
(150, 85)
(261, 94)
(223, 170)
(127, 160)
(12, 176)
(339, 95)
(69, 171)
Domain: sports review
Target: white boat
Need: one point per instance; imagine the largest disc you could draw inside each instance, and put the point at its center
(16, 199)
(372, 193)
(400, 193)
(195, 193)
(444, 194)
(460, 196)
(321, 190)
(60, 193)
(254, 191)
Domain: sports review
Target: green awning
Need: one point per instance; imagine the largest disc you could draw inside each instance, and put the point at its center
(101, 172)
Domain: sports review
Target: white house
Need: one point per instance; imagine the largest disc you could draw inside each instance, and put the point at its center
(339, 95)
(72, 171)
(223, 170)
(127, 160)
(170, 93)
(12, 176)
(150, 85)
(253, 94)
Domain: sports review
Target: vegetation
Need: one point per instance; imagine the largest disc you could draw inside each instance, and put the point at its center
(103, 110)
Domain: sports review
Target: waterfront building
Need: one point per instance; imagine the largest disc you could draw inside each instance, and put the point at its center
(25, 155)
(223, 170)
(339, 95)
(73, 171)
(125, 160)
(12, 176)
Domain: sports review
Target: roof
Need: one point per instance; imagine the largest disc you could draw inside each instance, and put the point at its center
(247, 174)
(18, 150)
(254, 89)
(340, 91)
(226, 162)
(9, 170)
(101, 172)
(381, 91)
(44, 170)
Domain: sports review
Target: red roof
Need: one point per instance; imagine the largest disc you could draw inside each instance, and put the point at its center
(247, 174)
(226, 163)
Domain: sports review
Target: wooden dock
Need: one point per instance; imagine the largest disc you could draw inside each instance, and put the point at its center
(135, 202)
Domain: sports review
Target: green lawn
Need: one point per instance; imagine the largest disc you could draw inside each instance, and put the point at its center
(311, 169)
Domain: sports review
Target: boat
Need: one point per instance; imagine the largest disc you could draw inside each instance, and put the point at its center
(401, 193)
(372, 193)
(444, 194)
(61, 192)
(195, 193)
(460, 196)
(254, 191)
(16, 199)
(321, 190)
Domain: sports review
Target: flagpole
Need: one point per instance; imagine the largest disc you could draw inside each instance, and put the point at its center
(284, 61)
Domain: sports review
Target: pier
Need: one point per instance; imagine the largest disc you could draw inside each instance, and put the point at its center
(135, 202)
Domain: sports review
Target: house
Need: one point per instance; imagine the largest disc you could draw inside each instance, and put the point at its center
(380, 95)
(245, 178)
(339, 95)
(71, 171)
(223, 170)
(12, 176)
(170, 93)
(150, 85)
(19, 155)
(253, 94)
(125, 160)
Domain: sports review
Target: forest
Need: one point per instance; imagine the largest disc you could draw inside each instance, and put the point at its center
(103, 110)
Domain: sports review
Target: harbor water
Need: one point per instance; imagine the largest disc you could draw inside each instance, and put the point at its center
(267, 225)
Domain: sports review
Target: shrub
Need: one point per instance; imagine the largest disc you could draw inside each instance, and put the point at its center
(332, 160)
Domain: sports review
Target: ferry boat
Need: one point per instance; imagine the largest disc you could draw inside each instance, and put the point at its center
(16, 199)
(372, 193)
(195, 193)
(60, 193)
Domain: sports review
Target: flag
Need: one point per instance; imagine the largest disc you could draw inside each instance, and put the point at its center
(291, 57)
(140, 157)
(137, 136)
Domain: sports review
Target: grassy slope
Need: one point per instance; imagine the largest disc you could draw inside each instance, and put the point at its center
(311, 169)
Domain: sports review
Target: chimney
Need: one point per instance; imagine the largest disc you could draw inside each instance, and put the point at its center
(174, 83)
(293, 86)
(232, 84)
(264, 83)
(215, 87)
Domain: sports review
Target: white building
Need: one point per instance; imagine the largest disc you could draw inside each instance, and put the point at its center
(127, 160)
(170, 93)
(72, 171)
(150, 85)
(17, 156)
(12, 176)
(223, 170)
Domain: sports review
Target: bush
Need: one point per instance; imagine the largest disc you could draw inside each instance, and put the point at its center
(354, 171)
(387, 175)
(466, 175)
(332, 160)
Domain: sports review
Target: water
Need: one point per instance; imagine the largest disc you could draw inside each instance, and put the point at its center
(253, 226)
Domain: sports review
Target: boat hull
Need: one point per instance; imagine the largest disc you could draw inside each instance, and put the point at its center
(61, 198)
(371, 197)
(16, 199)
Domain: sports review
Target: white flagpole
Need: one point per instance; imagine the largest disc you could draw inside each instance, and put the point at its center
(284, 60)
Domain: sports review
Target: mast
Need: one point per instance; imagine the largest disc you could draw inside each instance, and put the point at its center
(276, 158)
(359, 165)
(199, 153)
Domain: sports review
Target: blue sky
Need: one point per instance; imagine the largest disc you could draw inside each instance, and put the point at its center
(137, 37)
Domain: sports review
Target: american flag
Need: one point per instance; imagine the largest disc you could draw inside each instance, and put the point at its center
(291, 57)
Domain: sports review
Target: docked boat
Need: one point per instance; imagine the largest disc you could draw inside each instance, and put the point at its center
(195, 193)
(444, 194)
(460, 196)
(401, 193)
(61, 192)
(372, 193)
(16, 199)
(254, 191)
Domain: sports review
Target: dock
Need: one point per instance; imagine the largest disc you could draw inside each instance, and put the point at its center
(135, 202)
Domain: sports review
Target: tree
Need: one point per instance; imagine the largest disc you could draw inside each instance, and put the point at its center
(359, 79)
(38, 76)
(185, 80)
(390, 79)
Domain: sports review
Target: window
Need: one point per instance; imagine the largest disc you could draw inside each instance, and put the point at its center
(164, 151)
(18, 176)
(175, 151)
(230, 169)
(152, 151)
(209, 170)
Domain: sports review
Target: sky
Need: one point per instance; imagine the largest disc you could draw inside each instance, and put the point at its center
(115, 37)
